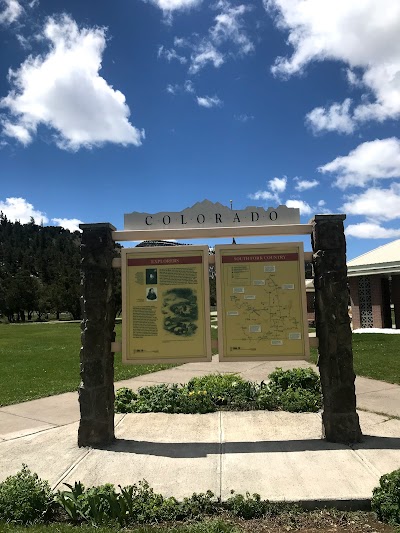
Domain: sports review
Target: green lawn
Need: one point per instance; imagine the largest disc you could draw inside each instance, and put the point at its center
(38, 360)
(206, 526)
(376, 356)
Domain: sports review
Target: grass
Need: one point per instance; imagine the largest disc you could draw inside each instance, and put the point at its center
(376, 356)
(209, 526)
(39, 360)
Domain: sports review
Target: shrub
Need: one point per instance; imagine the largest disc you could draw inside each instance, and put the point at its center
(300, 401)
(386, 498)
(133, 504)
(24, 498)
(295, 390)
(124, 399)
(296, 378)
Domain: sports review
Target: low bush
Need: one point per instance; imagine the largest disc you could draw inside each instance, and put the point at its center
(134, 504)
(252, 506)
(24, 498)
(296, 390)
(386, 498)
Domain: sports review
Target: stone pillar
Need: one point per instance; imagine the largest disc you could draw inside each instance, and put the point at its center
(96, 391)
(340, 419)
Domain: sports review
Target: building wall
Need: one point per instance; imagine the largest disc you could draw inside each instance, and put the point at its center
(366, 304)
(376, 300)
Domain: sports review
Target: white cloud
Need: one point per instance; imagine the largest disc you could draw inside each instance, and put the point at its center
(274, 187)
(227, 37)
(189, 87)
(264, 195)
(19, 209)
(170, 54)
(172, 89)
(229, 26)
(68, 223)
(209, 101)
(372, 160)
(380, 204)
(369, 230)
(63, 90)
(305, 208)
(277, 184)
(204, 54)
(304, 185)
(362, 34)
(336, 118)
(243, 117)
(10, 11)
(169, 6)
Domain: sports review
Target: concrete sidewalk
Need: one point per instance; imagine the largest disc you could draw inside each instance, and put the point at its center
(276, 454)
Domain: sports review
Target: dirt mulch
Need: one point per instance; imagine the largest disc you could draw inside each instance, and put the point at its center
(328, 521)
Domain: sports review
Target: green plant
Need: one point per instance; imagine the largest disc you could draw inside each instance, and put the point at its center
(295, 378)
(300, 401)
(252, 506)
(296, 390)
(24, 498)
(386, 498)
(124, 399)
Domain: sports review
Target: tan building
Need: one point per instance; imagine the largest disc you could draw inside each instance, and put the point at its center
(374, 284)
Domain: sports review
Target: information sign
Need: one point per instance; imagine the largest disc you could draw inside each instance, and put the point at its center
(166, 305)
(261, 302)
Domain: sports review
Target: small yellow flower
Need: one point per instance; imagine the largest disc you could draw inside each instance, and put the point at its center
(191, 393)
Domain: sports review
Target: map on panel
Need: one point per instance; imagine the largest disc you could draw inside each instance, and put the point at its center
(262, 302)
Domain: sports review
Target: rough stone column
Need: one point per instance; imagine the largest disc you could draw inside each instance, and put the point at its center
(340, 419)
(96, 391)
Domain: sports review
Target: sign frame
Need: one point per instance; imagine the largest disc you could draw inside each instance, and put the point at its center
(264, 248)
(166, 252)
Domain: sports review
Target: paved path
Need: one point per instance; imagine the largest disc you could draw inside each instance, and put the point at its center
(279, 455)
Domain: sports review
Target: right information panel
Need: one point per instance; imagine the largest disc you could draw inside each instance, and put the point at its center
(261, 302)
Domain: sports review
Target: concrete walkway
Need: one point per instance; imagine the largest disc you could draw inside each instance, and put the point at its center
(276, 454)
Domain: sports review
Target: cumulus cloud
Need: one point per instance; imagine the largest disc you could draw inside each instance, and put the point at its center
(274, 187)
(209, 101)
(305, 185)
(305, 208)
(175, 5)
(371, 160)
(363, 35)
(10, 11)
(62, 89)
(19, 209)
(278, 184)
(72, 224)
(370, 230)
(381, 204)
(336, 118)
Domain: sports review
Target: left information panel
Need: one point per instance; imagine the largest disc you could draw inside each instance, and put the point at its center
(165, 305)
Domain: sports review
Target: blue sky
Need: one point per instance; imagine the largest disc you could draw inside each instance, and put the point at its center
(132, 105)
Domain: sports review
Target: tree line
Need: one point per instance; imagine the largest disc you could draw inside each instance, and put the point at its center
(39, 271)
